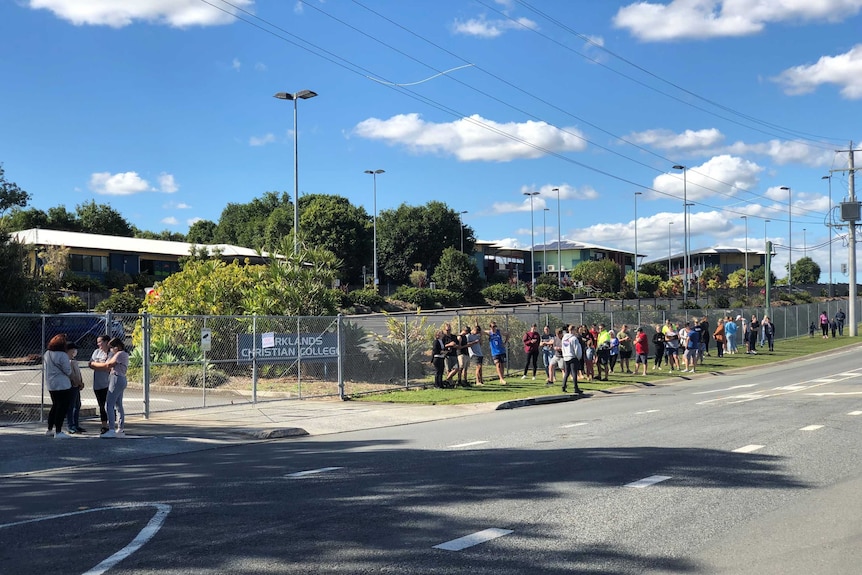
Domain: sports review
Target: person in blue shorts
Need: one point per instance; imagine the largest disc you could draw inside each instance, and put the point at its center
(497, 341)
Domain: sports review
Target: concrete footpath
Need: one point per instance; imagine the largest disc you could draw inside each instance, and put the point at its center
(26, 449)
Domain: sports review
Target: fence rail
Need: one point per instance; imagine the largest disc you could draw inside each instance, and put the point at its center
(185, 362)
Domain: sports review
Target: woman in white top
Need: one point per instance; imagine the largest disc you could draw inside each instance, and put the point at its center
(119, 364)
(58, 370)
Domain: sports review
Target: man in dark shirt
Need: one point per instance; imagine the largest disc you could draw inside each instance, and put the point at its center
(753, 333)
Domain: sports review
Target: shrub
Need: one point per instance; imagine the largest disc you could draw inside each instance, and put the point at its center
(116, 279)
(426, 298)
(76, 282)
(504, 293)
(52, 303)
(552, 292)
(121, 302)
(366, 297)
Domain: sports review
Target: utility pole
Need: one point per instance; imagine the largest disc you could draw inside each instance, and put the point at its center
(851, 252)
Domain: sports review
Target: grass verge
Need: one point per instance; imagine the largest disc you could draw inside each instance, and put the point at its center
(517, 388)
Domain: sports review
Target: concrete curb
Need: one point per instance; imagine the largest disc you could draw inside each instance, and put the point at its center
(541, 400)
(275, 433)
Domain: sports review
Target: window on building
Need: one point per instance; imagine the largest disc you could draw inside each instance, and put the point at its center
(88, 264)
(159, 268)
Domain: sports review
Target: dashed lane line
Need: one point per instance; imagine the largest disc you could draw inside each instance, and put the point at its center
(647, 481)
(308, 472)
(473, 539)
(724, 389)
(470, 444)
(810, 428)
(855, 413)
(647, 411)
(574, 425)
(749, 448)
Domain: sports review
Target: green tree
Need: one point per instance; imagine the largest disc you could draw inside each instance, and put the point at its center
(602, 275)
(333, 223)
(165, 235)
(245, 224)
(11, 196)
(102, 219)
(710, 278)
(456, 272)
(16, 285)
(202, 232)
(805, 271)
(25, 219)
(647, 283)
(653, 269)
(59, 218)
(412, 235)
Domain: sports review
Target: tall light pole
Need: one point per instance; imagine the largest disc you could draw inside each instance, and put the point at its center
(669, 224)
(559, 241)
(301, 95)
(829, 225)
(545, 239)
(374, 174)
(637, 293)
(804, 243)
(746, 253)
(532, 242)
(685, 261)
(461, 225)
(789, 236)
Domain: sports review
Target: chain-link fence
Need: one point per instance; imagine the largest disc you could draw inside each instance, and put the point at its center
(183, 362)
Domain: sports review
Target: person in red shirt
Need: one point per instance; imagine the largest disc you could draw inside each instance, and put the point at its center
(641, 350)
(531, 349)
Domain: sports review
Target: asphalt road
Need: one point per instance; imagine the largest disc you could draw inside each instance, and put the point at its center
(756, 472)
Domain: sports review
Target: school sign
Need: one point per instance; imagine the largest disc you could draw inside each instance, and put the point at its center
(286, 347)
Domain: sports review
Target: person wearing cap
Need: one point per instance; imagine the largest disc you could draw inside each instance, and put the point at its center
(73, 413)
(57, 370)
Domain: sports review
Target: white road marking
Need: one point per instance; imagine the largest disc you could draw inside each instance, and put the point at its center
(472, 443)
(848, 374)
(574, 425)
(749, 448)
(312, 471)
(147, 533)
(823, 380)
(725, 389)
(855, 413)
(647, 481)
(647, 411)
(810, 428)
(791, 387)
(472, 539)
(836, 393)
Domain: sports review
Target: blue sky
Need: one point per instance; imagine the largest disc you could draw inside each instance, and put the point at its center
(164, 109)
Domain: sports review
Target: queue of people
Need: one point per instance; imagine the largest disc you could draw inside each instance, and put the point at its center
(64, 382)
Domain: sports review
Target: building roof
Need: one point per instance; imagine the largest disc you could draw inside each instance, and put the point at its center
(710, 251)
(573, 245)
(40, 237)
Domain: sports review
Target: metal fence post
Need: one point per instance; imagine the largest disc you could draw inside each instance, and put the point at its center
(204, 366)
(254, 359)
(42, 401)
(340, 361)
(298, 360)
(406, 354)
(146, 327)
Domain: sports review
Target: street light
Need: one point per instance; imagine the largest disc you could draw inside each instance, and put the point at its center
(559, 231)
(637, 294)
(461, 225)
(532, 242)
(374, 177)
(829, 225)
(669, 224)
(301, 95)
(545, 239)
(746, 253)
(685, 261)
(804, 242)
(789, 236)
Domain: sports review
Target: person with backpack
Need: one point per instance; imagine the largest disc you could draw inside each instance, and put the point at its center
(572, 354)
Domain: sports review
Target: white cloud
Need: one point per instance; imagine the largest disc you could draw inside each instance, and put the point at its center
(193, 221)
(167, 183)
(260, 67)
(722, 174)
(176, 13)
(546, 198)
(508, 243)
(261, 140)
(844, 70)
(123, 184)
(473, 138)
(484, 28)
(669, 140)
(183, 206)
(236, 64)
(701, 19)
(784, 152)
(170, 220)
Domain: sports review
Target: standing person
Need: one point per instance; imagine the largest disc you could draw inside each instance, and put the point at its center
(768, 331)
(557, 361)
(763, 331)
(730, 329)
(100, 377)
(572, 353)
(73, 413)
(840, 318)
(824, 324)
(658, 346)
(546, 343)
(119, 364)
(474, 340)
(463, 355)
(671, 345)
(614, 351)
(603, 351)
(811, 330)
(834, 326)
(498, 343)
(58, 370)
(641, 349)
(438, 358)
(531, 348)
(705, 334)
(450, 342)
(589, 357)
(626, 349)
(692, 347)
(753, 332)
(698, 327)
(719, 337)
